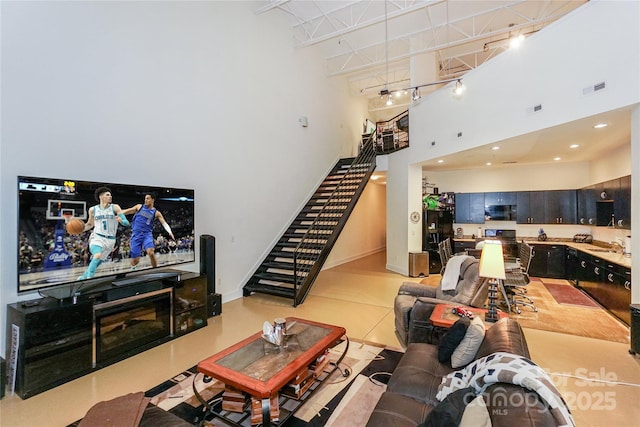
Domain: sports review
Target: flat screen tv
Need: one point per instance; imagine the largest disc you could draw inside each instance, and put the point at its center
(49, 255)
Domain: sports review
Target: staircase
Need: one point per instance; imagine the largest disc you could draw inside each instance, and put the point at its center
(293, 264)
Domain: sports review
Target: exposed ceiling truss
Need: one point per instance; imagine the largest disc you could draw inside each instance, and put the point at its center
(373, 41)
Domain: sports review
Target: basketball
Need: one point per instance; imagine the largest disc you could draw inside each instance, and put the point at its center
(75, 226)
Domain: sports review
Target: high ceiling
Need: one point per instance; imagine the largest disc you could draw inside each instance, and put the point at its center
(372, 43)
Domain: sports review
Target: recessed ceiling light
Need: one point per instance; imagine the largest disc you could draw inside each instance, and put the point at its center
(374, 177)
(488, 163)
(574, 146)
(440, 161)
(600, 126)
(495, 147)
(556, 158)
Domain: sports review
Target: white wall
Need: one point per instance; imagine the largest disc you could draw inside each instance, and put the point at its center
(202, 95)
(615, 164)
(551, 69)
(365, 230)
(513, 178)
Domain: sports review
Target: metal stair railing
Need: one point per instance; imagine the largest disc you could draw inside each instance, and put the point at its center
(307, 259)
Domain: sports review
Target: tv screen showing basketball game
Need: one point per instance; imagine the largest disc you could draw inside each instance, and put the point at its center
(73, 232)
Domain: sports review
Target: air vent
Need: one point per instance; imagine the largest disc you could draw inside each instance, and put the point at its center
(596, 87)
(511, 162)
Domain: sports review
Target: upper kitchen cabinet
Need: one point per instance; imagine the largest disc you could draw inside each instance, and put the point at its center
(530, 208)
(500, 198)
(470, 208)
(622, 203)
(560, 207)
(587, 205)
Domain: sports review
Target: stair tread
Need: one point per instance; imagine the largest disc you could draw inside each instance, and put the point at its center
(313, 231)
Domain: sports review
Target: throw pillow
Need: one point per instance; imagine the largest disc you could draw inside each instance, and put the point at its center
(476, 414)
(450, 411)
(468, 347)
(451, 339)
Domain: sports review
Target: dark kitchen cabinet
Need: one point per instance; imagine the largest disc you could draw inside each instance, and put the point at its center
(546, 207)
(530, 207)
(615, 290)
(500, 198)
(622, 203)
(571, 264)
(548, 261)
(587, 198)
(560, 207)
(469, 208)
(607, 283)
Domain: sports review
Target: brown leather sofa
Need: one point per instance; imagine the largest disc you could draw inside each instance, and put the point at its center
(415, 301)
(411, 391)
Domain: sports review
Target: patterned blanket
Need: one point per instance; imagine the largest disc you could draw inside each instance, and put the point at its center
(509, 368)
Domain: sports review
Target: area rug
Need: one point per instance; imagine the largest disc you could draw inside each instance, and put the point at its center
(568, 294)
(339, 401)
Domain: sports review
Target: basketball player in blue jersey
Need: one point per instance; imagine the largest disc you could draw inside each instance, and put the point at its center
(104, 219)
(142, 228)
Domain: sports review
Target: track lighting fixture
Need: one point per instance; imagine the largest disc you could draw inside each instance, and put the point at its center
(415, 94)
(459, 89)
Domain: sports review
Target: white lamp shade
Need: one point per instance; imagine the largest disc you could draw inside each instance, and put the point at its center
(491, 260)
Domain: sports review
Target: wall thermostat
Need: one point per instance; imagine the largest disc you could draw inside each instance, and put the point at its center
(303, 121)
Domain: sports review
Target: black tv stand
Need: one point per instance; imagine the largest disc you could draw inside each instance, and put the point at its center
(74, 336)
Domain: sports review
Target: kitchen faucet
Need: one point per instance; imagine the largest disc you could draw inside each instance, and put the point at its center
(616, 246)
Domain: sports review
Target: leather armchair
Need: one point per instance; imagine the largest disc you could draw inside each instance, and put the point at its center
(415, 301)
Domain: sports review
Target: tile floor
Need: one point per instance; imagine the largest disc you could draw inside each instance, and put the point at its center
(358, 295)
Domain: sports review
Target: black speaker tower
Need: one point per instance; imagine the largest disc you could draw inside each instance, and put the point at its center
(208, 269)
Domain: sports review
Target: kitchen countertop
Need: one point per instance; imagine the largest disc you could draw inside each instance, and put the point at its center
(594, 248)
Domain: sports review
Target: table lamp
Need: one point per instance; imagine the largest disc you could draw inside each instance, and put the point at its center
(492, 267)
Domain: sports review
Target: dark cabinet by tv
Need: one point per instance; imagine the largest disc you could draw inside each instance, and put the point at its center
(190, 305)
(58, 340)
(53, 341)
(470, 208)
(548, 261)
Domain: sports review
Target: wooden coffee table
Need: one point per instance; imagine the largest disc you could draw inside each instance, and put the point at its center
(261, 369)
(443, 316)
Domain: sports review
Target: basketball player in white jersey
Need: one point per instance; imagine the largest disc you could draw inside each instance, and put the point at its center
(104, 219)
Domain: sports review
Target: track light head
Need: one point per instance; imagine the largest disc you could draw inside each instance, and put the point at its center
(416, 94)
